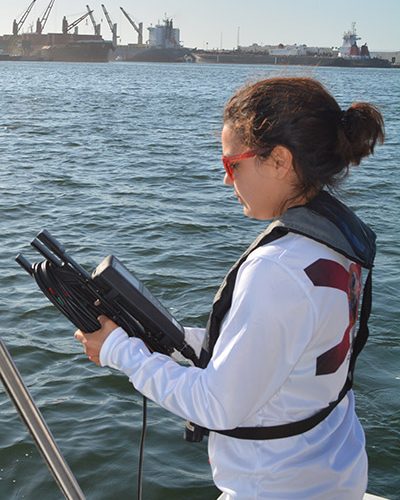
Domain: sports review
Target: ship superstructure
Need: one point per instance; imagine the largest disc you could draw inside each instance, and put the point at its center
(163, 45)
(164, 36)
(350, 49)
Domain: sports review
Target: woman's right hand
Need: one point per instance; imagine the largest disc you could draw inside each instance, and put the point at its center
(93, 342)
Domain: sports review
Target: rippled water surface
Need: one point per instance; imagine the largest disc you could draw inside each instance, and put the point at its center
(124, 159)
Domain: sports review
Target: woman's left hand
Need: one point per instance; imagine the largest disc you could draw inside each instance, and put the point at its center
(92, 342)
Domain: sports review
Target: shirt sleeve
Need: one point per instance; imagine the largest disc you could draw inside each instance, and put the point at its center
(266, 330)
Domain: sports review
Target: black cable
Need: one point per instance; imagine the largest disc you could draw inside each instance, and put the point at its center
(141, 450)
(60, 286)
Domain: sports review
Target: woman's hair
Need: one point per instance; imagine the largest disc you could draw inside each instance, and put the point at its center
(300, 114)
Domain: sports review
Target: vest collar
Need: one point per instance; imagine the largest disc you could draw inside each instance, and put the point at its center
(327, 220)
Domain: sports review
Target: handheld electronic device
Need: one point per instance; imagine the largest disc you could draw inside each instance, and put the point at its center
(111, 290)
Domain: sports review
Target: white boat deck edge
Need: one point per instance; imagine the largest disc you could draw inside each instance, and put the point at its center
(368, 496)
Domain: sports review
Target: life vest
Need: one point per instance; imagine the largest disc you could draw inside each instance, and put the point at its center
(328, 221)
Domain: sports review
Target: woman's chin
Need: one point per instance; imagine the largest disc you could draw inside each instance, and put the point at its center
(248, 212)
(251, 214)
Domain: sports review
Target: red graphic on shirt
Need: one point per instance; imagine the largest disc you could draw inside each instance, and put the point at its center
(329, 273)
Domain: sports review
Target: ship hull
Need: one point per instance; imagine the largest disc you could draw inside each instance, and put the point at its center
(7, 57)
(373, 62)
(237, 57)
(152, 54)
(86, 51)
(57, 47)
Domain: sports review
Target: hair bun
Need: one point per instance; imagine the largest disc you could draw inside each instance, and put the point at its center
(363, 127)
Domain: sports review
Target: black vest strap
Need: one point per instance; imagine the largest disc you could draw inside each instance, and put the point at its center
(286, 430)
(363, 331)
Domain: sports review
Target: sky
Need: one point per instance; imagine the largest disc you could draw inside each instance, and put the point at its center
(222, 23)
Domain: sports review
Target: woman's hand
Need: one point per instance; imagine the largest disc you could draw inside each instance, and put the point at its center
(92, 342)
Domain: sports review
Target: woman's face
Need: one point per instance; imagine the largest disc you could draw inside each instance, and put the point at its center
(263, 187)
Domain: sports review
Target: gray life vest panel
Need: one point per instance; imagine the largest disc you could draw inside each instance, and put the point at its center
(328, 221)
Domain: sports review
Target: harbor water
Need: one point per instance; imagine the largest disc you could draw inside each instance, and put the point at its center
(124, 159)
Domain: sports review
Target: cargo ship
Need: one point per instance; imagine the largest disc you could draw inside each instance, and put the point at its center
(349, 55)
(68, 45)
(240, 56)
(55, 47)
(164, 44)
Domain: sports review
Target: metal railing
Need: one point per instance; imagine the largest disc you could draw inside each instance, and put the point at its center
(37, 426)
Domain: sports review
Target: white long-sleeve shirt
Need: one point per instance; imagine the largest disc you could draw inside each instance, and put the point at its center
(262, 373)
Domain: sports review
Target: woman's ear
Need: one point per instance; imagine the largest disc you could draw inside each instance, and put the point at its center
(283, 159)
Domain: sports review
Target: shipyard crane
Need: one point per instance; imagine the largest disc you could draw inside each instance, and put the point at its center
(139, 29)
(18, 25)
(113, 27)
(41, 23)
(67, 27)
(95, 26)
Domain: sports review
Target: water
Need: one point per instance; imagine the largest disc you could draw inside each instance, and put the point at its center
(124, 159)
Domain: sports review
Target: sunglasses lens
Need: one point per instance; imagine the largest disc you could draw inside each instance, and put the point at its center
(228, 168)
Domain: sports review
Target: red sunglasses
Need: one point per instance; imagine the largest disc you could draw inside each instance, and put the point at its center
(229, 161)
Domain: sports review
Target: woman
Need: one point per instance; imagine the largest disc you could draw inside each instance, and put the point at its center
(275, 387)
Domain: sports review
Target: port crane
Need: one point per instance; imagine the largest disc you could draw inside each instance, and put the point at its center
(113, 27)
(95, 26)
(41, 23)
(139, 29)
(18, 25)
(67, 27)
